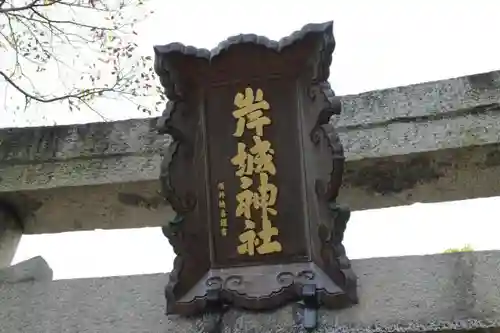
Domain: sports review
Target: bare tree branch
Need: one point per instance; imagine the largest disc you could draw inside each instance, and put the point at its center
(80, 95)
(73, 22)
(87, 44)
(33, 4)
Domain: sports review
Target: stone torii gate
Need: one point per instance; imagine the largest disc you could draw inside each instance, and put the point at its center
(429, 142)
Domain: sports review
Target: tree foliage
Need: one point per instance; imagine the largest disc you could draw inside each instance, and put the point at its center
(75, 52)
(466, 248)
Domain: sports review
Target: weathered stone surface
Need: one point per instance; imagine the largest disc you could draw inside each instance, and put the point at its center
(89, 154)
(420, 136)
(116, 206)
(424, 101)
(34, 269)
(10, 234)
(428, 142)
(458, 291)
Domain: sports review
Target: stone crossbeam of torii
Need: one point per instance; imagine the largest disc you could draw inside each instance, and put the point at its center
(428, 142)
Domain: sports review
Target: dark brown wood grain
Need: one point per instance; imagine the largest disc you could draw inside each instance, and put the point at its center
(199, 175)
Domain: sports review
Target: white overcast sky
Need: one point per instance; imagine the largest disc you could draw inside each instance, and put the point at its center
(380, 44)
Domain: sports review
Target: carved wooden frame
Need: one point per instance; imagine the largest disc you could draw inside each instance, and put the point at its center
(334, 284)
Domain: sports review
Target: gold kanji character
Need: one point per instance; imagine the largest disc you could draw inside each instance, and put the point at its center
(268, 245)
(249, 241)
(243, 161)
(249, 112)
(222, 195)
(223, 222)
(264, 200)
(223, 213)
(244, 200)
(267, 195)
(263, 156)
(223, 232)
(220, 186)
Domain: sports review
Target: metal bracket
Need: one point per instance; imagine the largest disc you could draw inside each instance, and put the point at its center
(309, 305)
(214, 301)
(216, 306)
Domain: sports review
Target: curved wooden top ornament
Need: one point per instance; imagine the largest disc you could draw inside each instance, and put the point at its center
(253, 173)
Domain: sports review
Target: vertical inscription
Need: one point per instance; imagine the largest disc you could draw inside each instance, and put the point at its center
(254, 165)
(222, 209)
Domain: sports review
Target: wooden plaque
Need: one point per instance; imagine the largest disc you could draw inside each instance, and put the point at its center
(253, 173)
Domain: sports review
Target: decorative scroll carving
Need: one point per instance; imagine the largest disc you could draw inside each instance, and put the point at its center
(198, 87)
(179, 151)
(329, 181)
(290, 278)
(327, 190)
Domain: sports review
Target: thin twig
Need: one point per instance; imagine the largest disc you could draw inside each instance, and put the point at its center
(31, 5)
(75, 23)
(81, 95)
